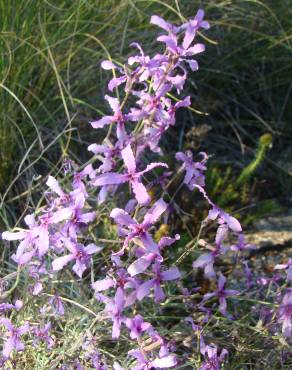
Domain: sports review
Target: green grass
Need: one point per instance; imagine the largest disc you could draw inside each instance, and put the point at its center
(52, 85)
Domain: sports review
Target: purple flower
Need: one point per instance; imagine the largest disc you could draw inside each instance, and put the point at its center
(222, 294)
(285, 314)
(155, 283)
(224, 217)
(118, 118)
(9, 306)
(114, 307)
(152, 106)
(57, 305)
(248, 274)
(132, 176)
(78, 217)
(13, 342)
(160, 22)
(120, 280)
(286, 266)
(77, 182)
(142, 263)
(143, 363)
(194, 170)
(241, 244)
(180, 53)
(103, 284)
(211, 359)
(148, 65)
(36, 239)
(192, 26)
(137, 326)
(41, 334)
(106, 154)
(133, 230)
(126, 76)
(206, 261)
(75, 202)
(79, 254)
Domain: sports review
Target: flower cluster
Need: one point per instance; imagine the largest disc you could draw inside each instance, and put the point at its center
(58, 236)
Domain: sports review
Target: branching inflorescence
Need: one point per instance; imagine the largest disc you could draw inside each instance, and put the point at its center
(58, 237)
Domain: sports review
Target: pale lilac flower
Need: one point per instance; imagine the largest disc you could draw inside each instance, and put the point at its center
(118, 118)
(146, 259)
(114, 307)
(221, 294)
(80, 177)
(137, 326)
(78, 217)
(285, 314)
(155, 283)
(194, 170)
(186, 102)
(43, 232)
(56, 304)
(152, 107)
(171, 40)
(160, 22)
(192, 26)
(37, 268)
(211, 359)
(142, 263)
(35, 241)
(41, 334)
(132, 176)
(14, 334)
(241, 244)
(196, 328)
(206, 261)
(286, 266)
(143, 363)
(9, 306)
(147, 65)
(180, 53)
(106, 154)
(79, 254)
(248, 274)
(133, 230)
(103, 284)
(64, 198)
(116, 81)
(121, 279)
(224, 217)
(216, 213)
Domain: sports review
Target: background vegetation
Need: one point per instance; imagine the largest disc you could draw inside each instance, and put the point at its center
(51, 86)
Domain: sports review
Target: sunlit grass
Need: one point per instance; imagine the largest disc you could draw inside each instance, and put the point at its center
(52, 85)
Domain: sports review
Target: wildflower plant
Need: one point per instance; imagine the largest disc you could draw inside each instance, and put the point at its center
(63, 236)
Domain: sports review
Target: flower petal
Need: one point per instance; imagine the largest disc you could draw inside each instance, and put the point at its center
(129, 159)
(110, 178)
(140, 192)
(60, 262)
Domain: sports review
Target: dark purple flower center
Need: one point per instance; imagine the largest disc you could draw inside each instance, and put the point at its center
(82, 256)
(288, 310)
(119, 117)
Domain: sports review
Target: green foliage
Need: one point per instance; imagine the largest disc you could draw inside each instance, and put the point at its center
(264, 143)
(233, 192)
(51, 80)
(50, 84)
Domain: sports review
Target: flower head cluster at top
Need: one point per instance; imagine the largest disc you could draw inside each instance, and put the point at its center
(58, 236)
